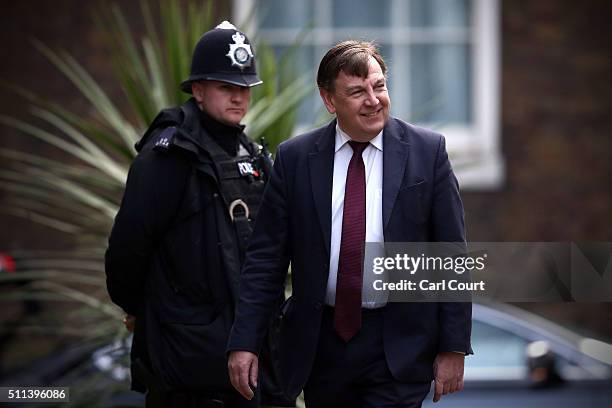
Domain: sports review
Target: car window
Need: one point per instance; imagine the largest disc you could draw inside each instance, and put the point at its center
(495, 347)
(498, 354)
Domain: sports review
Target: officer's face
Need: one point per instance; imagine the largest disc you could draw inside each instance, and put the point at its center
(225, 102)
(360, 104)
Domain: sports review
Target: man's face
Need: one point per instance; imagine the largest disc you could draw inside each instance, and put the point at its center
(225, 102)
(360, 104)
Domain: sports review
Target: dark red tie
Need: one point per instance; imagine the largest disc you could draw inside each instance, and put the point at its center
(347, 317)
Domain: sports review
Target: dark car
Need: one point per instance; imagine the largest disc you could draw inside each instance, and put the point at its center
(96, 376)
(520, 360)
(523, 360)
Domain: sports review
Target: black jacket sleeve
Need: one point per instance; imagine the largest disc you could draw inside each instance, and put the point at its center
(152, 196)
(265, 268)
(449, 226)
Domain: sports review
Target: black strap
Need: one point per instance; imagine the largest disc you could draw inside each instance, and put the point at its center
(226, 169)
(243, 229)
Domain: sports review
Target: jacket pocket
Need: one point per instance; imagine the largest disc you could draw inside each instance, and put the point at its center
(184, 251)
(192, 354)
(412, 202)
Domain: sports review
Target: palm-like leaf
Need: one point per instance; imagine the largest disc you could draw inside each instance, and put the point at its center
(79, 194)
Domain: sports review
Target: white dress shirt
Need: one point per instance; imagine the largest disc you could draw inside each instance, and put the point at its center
(373, 161)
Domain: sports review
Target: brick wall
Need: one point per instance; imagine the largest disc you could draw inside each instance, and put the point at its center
(556, 125)
(556, 136)
(556, 120)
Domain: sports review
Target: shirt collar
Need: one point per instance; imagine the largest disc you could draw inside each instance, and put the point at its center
(342, 138)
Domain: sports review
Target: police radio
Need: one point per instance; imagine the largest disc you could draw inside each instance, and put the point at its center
(264, 161)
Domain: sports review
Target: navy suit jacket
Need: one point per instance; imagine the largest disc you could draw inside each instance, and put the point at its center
(421, 203)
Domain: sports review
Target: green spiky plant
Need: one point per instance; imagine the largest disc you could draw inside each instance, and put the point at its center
(80, 195)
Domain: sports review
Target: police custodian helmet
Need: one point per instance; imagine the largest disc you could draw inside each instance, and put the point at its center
(223, 54)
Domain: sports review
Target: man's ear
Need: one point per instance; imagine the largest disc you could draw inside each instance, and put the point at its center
(196, 91)
(328, 100)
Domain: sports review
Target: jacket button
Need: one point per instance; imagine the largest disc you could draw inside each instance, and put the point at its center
(318, 305)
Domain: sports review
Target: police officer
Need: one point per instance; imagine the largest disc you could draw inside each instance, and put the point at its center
(178, 240)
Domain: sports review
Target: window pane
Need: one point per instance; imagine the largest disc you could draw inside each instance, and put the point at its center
(440, 83)
(361, 13)
(429, 79)
(439, 13)
(284, 14)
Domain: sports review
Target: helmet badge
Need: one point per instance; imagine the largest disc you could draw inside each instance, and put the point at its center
(240, 53)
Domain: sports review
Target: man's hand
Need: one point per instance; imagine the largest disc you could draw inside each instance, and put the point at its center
(448, 372)
(243, 369)
(129, 322)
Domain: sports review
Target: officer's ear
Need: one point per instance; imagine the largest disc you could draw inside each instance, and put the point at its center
(328, 100)
(197, 89)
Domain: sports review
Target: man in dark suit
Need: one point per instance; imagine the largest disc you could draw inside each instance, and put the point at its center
(365, 177)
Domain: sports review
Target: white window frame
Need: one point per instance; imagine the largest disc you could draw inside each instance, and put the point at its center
(475, 150)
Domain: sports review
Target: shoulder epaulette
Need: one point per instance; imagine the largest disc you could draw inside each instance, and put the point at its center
(163, 140)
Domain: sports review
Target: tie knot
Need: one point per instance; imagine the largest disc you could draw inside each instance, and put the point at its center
(358, 147)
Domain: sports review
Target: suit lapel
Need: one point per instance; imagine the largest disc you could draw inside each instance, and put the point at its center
(395, 154)
(321, 163)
